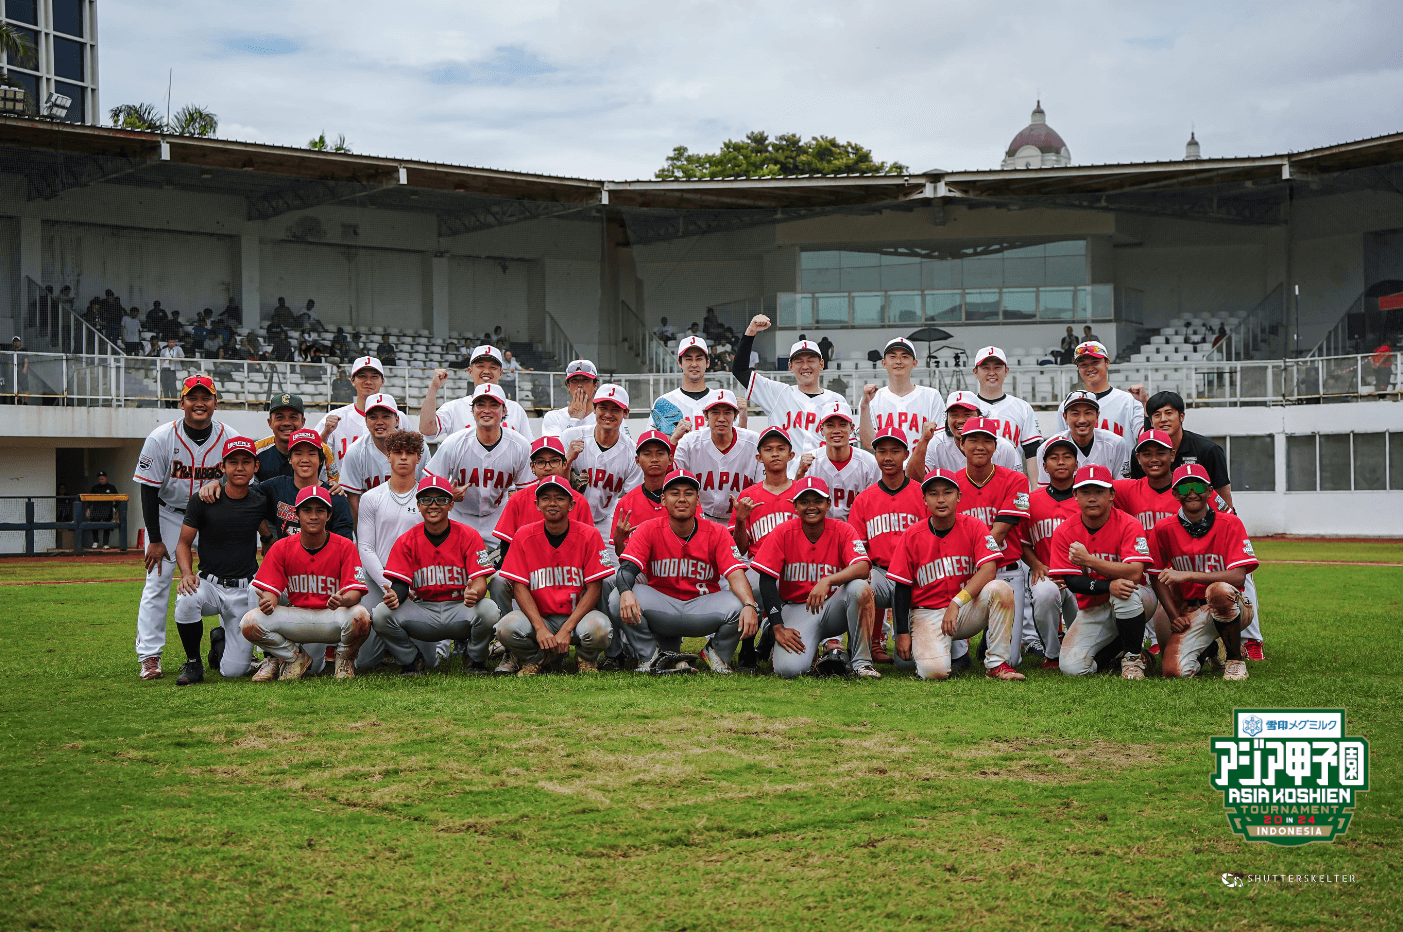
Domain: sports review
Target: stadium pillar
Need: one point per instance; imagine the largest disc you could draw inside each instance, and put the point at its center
(249, 279)
(31, 248)
(440, 297)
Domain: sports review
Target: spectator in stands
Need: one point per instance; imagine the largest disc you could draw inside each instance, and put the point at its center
(101, 511)
(386, 351)
(1068, 350)
(308, 319)
(93, 315)
(199, 331)
(169, 377)
(356, 347)
(16, 364)
(282, 316)
(343, 392)
(825, 346)
(173, 329)
(232, 313)
(665, 332)
(339, 343)
(156, 318)
(1222, 335)
(1382, 361)
(711, 326)
(65, 298)
(131, 333)
(213, 345)
(251, 346)
(112, 309)
(1087, 336)
(282, 350)
(153, 351)
(500, 339)
(510, 367)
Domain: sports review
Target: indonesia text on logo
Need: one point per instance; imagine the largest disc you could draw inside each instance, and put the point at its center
(1289, 776)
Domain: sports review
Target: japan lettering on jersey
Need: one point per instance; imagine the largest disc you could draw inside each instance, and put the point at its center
(935, 567)
(1150, 506)
(683, 569)
(785, 406)
(1017, 422)
(364, 466)
(943, 452)
(1106, 449)
(1226, 546)
(439, 573)
(789, 556)
(846, 480)
(309, 579)
(1120, 540)
(723, 474)
(909, 413)
(487, 475)
(1045, 516)
(771, 510)
(178, 466)
(1121, 414)
(677, 406)
(521, 510)
(556, 576)
(881, 516)
(1004, 495)
(608, 473)
(349, 429)
(457, 415)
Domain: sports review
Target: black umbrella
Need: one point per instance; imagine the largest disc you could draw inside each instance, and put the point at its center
(929, 335)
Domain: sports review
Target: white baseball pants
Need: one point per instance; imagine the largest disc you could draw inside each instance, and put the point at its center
(667, 620)
(230, 604)
(1095, 628)
(1225, 604)
(991, 612)
(156, 594)
(416, 625)
(1053, 607)
(591, 636)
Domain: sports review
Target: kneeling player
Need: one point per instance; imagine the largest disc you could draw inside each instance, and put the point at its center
(556, 568)
(1054, 605)
(1101, 556)
(320, 573)
(813, 575)
(1202, 559)
(446, 565)
(685, 559)
(949, 549)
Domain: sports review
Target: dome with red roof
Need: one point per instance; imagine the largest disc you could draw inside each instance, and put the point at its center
(1037, 145)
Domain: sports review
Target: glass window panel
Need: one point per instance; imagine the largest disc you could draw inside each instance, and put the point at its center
(1026, 252)
(1335, 464)
(30, 83)
(68, 16)
(23, 11)
(1020, 303)
(831, 309)
(821, 280)
(68, 59)
(860, 260)
(1065, 270)
(904, 307)
(982, 305)
(1370, 453)
(1252, 463)
(941, 273)
(806, 310)
(861, 279)
(901, 277)
(821, 259)
(75, 109)
(1395, 461)
(786, 310)
(1069, 247)
(1100, 301)
(1025, 272)
(31, 40)
(983, 271)
(1300, 463)
(1056, 303)
(869, 308)
(944, 305)
(890, 259)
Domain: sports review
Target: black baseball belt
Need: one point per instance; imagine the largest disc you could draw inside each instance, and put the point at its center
(228, 582)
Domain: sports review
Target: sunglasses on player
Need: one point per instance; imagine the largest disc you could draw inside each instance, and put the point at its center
(435, 501)
(1191, 488)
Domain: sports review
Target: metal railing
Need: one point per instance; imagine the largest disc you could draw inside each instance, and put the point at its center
(1336, 340)
(1260, 334)
(49, 324)
(557, 343)
(644, 344)
(31, 524)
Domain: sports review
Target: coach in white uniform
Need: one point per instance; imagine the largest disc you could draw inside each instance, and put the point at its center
(900, 405)
(581, 379)
(722, 456)
(1017, 422)
(367, 464)
(345, 425)
(175, 460)
(684, 405)
(1082, 411)
(485, 463)
(603, 458)
(485, 368)
(937, 448)
(848, 470)
(1121, 414)
(792, 407)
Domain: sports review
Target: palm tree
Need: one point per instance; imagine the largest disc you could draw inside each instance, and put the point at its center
(137, 116)
(191, 120)
(17, 48)
(338, 146)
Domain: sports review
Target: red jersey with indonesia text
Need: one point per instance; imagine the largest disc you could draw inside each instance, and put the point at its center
(556, 576)
(771, 510)
(1150, 506)
(1003, 495)
(637, 506)
(1120, 540)
(309, 579)
(880, 516)
(1226, 546)
(1045, 516)
(797, 562)
(936, 565)
(438, 573)
(683, 568)
(521, 510)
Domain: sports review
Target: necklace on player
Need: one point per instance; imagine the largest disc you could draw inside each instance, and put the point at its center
(402, 500)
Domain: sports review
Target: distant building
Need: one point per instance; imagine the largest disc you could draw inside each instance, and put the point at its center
(1191, 149)
(63, 34)
(1037, 145)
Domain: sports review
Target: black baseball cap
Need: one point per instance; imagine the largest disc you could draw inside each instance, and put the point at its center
(285, 400)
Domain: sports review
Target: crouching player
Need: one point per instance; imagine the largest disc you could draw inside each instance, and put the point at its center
(813, 577)
(556, 568)
(685, 559)
(1201, 561)
(446, 565)
(320, 574)
(1054, 605)
(1101, 555)
(943, 571)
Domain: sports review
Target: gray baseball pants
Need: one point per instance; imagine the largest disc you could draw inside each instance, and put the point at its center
(591, 636)
(667, 620)
(417, 623)
(840, 615)
(230, 605)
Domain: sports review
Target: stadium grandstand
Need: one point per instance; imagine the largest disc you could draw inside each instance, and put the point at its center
(1266, 290)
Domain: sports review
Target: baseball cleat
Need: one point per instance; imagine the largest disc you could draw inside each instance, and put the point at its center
(1235, 670)
(1132, 667)
(267, 670)
(714, 659)
(151, 668)
(345, 665)
(866, 671)
(532, 669)
(216, 648)
(1252, 649)
(880, 654)
(415, 667)
(1004, 672)
(299, 664)
(747, 661)
(509, 666)
(666, 663)
(473, 667)
(584, 665)
(192, 672)
(1050, 663)
(960, 664)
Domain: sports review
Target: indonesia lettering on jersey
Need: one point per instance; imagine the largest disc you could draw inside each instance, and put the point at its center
(349, 429)
(785, 406)
(1107, 449)
(789, 556)
(1121, 414)
(521, 510)
(1150, 506)
(556, 576)
(881, 517)
(178, 466)
(723, 474)
(1045, 516)
(1017, 422)
(683, 569)
(439, 573)
(944, 453)
(608, 473)
(1226, 546)
(846, 480)
(558, 421)
(488, 475)
(457, 415)
(908, 413)
(1120, 540)
(771, 510)
(309, 579)
(364, 466)
(1004, 495)
(676, 406)
(936, 567)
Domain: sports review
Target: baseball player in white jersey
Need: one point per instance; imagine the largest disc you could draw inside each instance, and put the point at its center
(483, 464)
(1081, 411)
(1121, 413)
(847, 470)
(175, 460)
(722, 456)
(485, 368)
(366, 463)
(937, 447)
(684, 405)
(581, 379)
(601, 458)
(900, 405)
(345, 425)
(792, 407)
(1017, 422)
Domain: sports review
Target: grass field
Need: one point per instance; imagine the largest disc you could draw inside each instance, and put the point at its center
(676, 803)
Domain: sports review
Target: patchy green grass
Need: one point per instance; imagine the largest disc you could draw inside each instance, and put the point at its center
(1384, 551)
(682, 802)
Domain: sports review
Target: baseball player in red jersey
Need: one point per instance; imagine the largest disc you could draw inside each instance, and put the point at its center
(845, 468)
(1054, 605)
(685, 559)
(1101, 555)
(944, 587)
(653, 455)
(319, 572)
(880, 515)
(814, 579)
(556, 567)
(722, 456)
(445, 565)
(1201, 561)
(760, 509)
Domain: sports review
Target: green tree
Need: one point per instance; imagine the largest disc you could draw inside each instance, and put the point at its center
(137, 116)
(759, 156)
(18, 51)
(320, 143)
(191, 120)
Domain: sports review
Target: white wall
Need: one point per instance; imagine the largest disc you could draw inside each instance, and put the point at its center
(854, 344)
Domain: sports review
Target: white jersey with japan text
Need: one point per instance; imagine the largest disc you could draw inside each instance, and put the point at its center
(177, 465)
(908, 413)
(1121, 414)
(785, 406)
(1017, 422)
(676, 406)
(608, 473)
(944, 453)
(558, 420)
(1106, 450)
(845, 480)
(349, 429)
(723, 474)
(457, 415)
(364, 466)
(487, 474)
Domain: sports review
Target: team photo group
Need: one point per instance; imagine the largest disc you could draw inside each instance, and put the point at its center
(934, 534)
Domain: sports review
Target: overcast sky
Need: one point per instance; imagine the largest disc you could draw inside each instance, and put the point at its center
(605, 90)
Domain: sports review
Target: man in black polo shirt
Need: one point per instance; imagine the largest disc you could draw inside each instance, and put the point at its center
(101, 511)
(1165, 411)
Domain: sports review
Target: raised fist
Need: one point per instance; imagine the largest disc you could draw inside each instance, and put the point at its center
(757, 323)
(440, 376)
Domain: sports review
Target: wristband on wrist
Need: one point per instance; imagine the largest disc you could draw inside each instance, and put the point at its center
(963, 598)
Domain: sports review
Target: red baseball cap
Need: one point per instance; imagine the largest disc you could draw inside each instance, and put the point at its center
(680, 475)
(198, 381)
(548, 442)
(314, 492)
(1192, 472)
(1058, 440)
(239, 445)
(1093, 474)
(981, 425)
(1154, 436)
(944, 475)
(778, 432)
(892, 433)
(653, 436)
(554, 482)
(304, 435)
(432, 482)
(809, 484)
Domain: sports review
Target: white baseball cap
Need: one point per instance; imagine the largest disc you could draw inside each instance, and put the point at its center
(381, 401)
(692, 343)
(612, 393)
(721, 397)
(486, 350)
(582, 367)
(902, 343)
(963, 399)
(805, 346)
(490, 390)
(836, 409)
(367, 362)
(990, 352)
